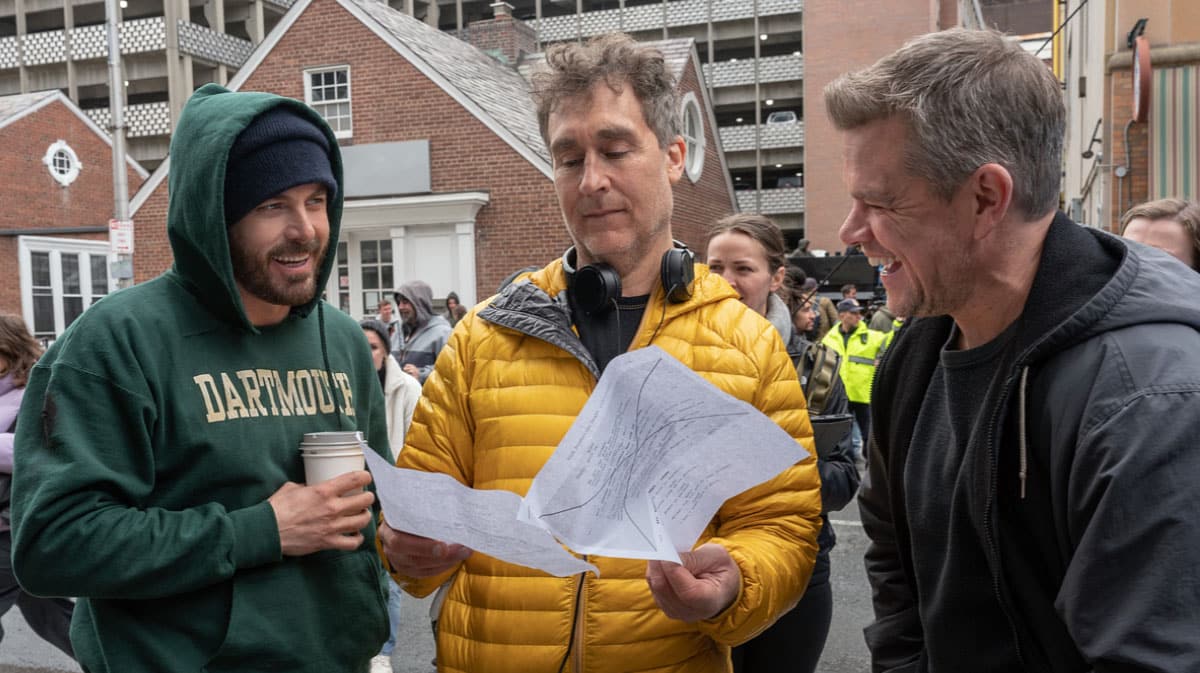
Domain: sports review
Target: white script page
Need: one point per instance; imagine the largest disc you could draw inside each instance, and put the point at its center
(651, 458)
(437, 506)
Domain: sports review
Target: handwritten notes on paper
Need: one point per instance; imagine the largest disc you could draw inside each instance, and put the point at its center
(646, 465)
(651, 458)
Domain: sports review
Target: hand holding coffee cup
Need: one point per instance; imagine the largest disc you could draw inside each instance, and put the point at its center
(322, 516)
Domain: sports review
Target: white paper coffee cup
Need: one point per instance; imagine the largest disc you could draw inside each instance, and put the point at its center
(325, 465)
(330, 454)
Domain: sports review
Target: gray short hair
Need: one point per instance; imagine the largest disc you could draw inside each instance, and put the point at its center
(970, 97)
(571, 70)
(1186, 213)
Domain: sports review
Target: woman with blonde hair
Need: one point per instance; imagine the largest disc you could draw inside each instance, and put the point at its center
(748, 252)
(50, 618)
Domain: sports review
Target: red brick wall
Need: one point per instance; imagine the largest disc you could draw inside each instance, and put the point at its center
(152, 254)
(827, 54)
(10, 281)
(1135, 187)
(33, 199)
(393, 101)
(510, 37)
(699, 204)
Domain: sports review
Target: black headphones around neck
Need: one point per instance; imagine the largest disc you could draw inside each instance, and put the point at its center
(596, 287)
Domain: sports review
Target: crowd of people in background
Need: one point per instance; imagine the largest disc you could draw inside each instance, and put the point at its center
(1002, 418)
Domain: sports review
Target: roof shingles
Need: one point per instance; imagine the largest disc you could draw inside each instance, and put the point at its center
(497, 89)
(17, 103)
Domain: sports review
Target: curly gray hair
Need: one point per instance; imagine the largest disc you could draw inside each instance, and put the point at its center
(571, 70)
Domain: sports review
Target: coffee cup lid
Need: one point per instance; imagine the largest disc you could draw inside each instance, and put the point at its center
(330, 454)
(334, 437)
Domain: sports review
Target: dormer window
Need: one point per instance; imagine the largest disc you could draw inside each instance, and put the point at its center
(327, 90)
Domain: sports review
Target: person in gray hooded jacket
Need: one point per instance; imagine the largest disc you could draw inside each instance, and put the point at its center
(1030, 499)
(425, 333)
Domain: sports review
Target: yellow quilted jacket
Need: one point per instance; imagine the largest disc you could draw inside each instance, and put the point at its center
(494, 410)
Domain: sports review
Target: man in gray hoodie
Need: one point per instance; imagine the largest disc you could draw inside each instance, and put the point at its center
(424, 332)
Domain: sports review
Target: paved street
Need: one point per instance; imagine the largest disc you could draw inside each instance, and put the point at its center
(845, 651)
(23, 652)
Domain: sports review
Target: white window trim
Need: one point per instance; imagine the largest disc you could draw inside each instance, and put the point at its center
(342, 133)
(407, 217)
(358, 266)
(72, 171)
(57, 247)
(694, 161)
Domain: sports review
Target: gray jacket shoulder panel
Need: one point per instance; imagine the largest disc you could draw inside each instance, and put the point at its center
(526, 308)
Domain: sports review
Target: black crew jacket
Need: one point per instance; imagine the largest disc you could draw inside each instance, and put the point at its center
(1084, 498)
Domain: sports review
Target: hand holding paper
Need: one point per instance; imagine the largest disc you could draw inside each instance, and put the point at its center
(417, 556)
(436, 509)
(704, 586)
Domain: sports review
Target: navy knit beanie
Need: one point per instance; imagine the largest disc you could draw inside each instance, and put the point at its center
(280, 149)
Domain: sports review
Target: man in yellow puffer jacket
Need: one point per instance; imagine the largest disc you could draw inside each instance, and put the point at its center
(519, 368)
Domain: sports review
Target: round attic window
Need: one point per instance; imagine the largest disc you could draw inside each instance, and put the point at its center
(693, 136)
(62, 162)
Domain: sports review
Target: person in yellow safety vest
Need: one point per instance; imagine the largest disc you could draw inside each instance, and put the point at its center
(859, 348)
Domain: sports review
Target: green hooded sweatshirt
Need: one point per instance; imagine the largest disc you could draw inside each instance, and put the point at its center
(154, 430)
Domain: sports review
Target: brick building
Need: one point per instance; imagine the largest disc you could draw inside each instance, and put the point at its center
(1114, 160)
(57, 170)
(448, 179)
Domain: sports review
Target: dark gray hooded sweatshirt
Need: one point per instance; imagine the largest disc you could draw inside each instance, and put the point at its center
(426, 334)
(1078, 482)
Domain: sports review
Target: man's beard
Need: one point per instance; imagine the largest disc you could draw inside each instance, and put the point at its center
(253, 273)
(626, 258)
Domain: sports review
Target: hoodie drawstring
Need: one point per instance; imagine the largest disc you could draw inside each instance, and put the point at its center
(1024, 466)
(325, 356)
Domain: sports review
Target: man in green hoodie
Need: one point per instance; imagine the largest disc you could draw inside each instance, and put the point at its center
(157, 465)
